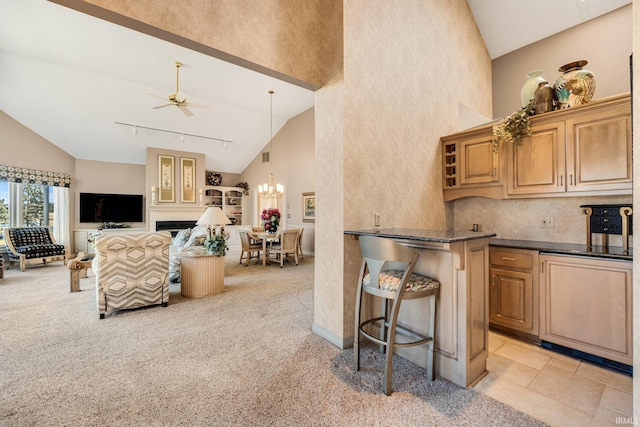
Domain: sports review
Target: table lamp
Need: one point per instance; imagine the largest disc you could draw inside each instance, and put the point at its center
(213, 217)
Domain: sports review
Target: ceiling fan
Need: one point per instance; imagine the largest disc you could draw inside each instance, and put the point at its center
(179, 99)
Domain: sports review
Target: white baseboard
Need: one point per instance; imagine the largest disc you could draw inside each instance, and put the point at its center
(331, 337)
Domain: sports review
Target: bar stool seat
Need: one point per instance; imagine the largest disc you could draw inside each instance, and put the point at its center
(387, 273)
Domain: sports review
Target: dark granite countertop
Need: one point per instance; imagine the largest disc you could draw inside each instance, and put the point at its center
(612, 252)
(440, 236)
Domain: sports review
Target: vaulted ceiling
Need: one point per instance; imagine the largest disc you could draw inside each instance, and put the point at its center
(71, 78)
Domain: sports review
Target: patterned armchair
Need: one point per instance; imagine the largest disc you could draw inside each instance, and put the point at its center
(31, 245)
(132, 271)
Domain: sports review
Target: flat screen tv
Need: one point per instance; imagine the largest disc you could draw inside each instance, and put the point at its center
(95, 207)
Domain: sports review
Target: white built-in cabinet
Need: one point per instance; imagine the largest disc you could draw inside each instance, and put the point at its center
(232, 201)
(83, 238)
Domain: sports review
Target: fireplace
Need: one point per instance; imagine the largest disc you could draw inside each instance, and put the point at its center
(174, 226)
(173, 217)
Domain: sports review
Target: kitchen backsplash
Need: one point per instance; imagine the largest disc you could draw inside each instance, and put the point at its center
(522, 219)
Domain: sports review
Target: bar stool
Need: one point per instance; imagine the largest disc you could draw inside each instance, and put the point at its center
(387, 273)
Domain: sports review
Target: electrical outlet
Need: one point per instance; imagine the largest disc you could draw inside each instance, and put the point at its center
(547, 222)
(376, 219)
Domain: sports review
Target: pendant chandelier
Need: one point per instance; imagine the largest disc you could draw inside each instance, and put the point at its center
(269, 190)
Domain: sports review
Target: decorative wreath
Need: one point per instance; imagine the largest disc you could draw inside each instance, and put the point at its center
(245, 188)
(214, 178)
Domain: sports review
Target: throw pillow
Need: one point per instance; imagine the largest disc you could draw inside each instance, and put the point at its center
(181, 238)
(197, 237)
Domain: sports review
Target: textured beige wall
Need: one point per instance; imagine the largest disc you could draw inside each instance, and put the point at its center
(284, 38)
(329, 292)
(636, 218)
(403, 81)
(604, 41)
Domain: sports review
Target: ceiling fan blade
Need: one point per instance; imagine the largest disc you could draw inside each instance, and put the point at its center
(185, 110)
(161, 106)
(191, 104)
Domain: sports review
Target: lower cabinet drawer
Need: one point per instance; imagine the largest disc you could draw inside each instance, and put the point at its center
(512, 259)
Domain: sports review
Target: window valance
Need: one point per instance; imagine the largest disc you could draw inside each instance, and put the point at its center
(32, 176)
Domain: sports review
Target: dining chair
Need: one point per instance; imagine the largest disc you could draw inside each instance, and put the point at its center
(387, 273)
(300, 255)
(249, 247)
(288, 245)
(256, 230)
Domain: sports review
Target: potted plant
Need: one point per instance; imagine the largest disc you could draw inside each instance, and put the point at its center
(217, 244)
(512, 128)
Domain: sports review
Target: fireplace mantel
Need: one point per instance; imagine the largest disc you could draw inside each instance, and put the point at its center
(173, 213)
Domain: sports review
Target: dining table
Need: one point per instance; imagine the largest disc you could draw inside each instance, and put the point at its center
(265, 237)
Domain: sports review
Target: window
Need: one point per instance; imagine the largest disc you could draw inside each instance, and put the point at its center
(26, 205)
(4, 208)
(30, 198)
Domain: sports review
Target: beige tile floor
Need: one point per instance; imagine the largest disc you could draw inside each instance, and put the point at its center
(556, 389)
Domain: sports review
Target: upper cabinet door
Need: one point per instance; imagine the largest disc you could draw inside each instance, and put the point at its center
(479, 161)
(599, 150)
(537, 163)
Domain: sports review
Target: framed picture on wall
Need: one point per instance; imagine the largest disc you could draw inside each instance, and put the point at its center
(308, 207)
(165, 179)
(187, 176)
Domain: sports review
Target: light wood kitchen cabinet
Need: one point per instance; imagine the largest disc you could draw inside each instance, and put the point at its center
(478, 161)
(471, 165)
(589, 150)
(537, 163)
(580, 151)
(593, 165)
(586, 305)
(513, 300)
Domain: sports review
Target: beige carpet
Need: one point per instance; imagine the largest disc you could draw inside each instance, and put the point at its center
(246, 357)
